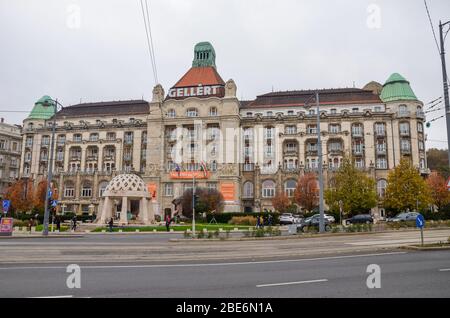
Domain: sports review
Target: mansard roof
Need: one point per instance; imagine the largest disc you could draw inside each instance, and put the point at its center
(334, 96)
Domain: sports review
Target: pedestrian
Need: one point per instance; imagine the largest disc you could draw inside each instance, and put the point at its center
(263, 219)
(168, 221)
(270, 219)
(74, 223)
(111, 224)
(258, 222)
(58, 223)
(30, 224)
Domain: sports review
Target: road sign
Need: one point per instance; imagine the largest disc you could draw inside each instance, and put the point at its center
(50, 193)
(6, 226)
(6, 204)
(54, 203)
(420, 221)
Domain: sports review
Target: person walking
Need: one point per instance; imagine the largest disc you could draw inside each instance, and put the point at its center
(74, 223)
(270, 220)
(168, 221)
(258, 222)
(58, 223)
(111, 224)
(30, 224)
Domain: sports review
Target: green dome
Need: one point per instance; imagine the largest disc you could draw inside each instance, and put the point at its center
(43, 108)
(397, 88)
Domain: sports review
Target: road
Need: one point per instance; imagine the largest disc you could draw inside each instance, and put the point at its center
(142, 265)
(157, 248)
(403, 274)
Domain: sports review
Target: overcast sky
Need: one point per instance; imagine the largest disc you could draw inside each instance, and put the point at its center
(96, 50)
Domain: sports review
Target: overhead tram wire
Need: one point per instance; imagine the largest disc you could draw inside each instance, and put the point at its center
(433, 101)
(151, 40)
(149, 43)
(432, 27)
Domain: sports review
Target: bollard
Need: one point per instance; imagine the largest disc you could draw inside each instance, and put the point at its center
(137, 230)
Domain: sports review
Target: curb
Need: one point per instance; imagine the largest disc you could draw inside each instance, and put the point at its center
(426, 248)
(295, 236)
(40, 237)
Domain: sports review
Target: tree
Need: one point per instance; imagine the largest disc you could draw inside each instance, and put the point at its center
(406, 189)
(437, 160)
(208, 200)
(438, 190)
(40, 196)
(20, 193)
(307, 193)
(353, 188)
(281, 202)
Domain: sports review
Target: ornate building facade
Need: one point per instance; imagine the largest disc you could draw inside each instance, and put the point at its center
(10, 146)
(201, 133)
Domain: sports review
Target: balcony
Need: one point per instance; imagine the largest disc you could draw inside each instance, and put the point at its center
(290, 152)
(380, 133)
(403, 114)
(357, 134)
(248, 167)
(358, 152)
(420, 114)
(128, 141)
(44, 159)
(336, 151)
(404, 133)
(291, 169)
(312, 152)
(109, 158)
(92, 158)
(75, 158)
(127, 157)
(405, 150)
(381, 150)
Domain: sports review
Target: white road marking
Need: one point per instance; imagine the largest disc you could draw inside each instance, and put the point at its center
(64, 296)
(445, 270)
(207, 264)
(293, 283)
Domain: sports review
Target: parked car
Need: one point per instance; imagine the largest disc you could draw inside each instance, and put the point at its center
(360, 219)
(330, 218)
(404, 216)
(297, 219)
(314, 221)
(287, 218)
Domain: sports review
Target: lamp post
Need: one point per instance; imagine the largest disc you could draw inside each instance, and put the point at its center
(54, 104)
(320, 167)
(445, 80)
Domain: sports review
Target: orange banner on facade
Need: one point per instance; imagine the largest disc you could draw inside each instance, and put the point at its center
(228, 191)
(189, 174)
(151, 187)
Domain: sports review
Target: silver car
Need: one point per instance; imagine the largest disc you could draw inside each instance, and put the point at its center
(330, 218)
(404, 216)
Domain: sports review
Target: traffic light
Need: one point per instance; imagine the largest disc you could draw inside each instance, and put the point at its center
(428, 125)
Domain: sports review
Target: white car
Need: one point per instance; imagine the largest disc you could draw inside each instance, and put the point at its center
(287, 218)
(330, 218)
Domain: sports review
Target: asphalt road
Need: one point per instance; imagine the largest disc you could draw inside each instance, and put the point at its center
(403, 274)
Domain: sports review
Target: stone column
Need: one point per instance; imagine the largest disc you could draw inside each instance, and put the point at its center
(123, 212)
(144, 211)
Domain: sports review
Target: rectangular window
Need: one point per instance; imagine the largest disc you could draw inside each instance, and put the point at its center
(381, 163)
(69, 192)
(168, 190)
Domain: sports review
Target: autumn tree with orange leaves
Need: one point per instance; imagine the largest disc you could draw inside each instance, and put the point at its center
(20, 193)
(281, 202)
(438, 188)
(307, 193)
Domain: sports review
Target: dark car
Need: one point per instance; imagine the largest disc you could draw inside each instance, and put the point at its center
(314, 221)
(360, 219)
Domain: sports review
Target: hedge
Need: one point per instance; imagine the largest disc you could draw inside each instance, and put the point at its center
(226, 217)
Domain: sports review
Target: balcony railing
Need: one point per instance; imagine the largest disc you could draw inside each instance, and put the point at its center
(381, 150)
(357, 134)
(248, 167)
(92, 158)
(405, 150)
(75, 158)
(420, 114)
(403, 113)
(404, 133)
(109, 157)
(380, 133)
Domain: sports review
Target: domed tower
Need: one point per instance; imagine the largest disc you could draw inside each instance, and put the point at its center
(408, 124)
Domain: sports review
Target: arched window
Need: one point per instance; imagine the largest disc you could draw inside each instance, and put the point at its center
(248, 189)
(102, 187)
(289, 187)
(381, 188)
(69, 190)
(86, 190)
(192, 112)
(268, 189)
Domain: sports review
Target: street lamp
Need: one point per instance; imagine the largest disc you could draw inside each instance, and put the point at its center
(54, 104)
(319, 144)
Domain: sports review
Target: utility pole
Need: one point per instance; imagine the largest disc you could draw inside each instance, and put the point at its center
(193, 205)
(319, 143)
(445, 79)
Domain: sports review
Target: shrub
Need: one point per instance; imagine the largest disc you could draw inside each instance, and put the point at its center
(243, 220)
(224, 218)
(201, 235)
(187, 234)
